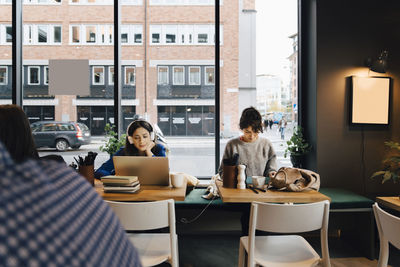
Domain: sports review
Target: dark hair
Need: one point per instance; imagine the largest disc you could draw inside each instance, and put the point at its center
(251, 117)
(15, 133)
(130, 149)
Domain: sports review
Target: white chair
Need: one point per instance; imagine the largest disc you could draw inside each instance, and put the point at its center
(285, 250)
(389, 231)
(153, 248)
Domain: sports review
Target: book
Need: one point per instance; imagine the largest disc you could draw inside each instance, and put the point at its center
(121, 189)
(114, 179)
(121, 184)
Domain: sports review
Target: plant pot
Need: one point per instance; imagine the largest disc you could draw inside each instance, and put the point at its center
(297, 160)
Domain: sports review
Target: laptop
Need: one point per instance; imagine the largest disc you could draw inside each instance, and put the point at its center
(149, 170)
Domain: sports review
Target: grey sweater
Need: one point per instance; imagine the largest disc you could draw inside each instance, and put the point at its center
(258, 156)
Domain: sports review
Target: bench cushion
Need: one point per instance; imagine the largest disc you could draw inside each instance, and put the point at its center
(345, 199)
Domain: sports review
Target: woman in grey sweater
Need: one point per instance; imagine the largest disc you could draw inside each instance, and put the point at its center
(254, 151)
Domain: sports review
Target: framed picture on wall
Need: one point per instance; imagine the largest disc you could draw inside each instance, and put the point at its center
(370, 100)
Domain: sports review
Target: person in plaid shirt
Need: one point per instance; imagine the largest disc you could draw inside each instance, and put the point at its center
(51, 216)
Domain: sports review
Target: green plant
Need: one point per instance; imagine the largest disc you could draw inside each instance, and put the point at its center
(297, 145)
(391, 164)
(113, 144)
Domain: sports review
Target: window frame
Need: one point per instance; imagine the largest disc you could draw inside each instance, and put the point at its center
(173, 75)
(158, 75)
(5, 75)
(45, 72)
(110, 80)
(134, 75)
(205, 75)
(93, 75)
(29, 75)
(199, 75)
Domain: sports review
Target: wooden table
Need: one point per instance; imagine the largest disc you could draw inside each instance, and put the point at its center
(146, 193)
(390, 202)
(233, 195)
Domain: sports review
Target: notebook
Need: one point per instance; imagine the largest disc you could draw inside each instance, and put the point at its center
(149, 170)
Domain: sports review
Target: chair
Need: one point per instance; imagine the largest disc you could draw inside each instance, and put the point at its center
(389, 231)
(153, 248)
(285, 250)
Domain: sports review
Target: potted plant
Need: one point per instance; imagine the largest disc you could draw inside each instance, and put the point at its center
(113, 144)
(391, 164)
(297, 147)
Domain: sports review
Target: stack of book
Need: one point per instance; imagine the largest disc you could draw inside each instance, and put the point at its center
(120, 184)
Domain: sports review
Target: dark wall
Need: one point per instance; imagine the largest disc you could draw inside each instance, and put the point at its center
(347, 33)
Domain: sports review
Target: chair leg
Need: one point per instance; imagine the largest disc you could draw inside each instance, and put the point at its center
(241, 255)
(383, 253)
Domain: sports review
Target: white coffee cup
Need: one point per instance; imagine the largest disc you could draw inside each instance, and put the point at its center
(177, 179)
(258, 181)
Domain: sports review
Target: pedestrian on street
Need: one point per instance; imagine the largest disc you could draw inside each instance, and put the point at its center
(282, 126)
(270, 122)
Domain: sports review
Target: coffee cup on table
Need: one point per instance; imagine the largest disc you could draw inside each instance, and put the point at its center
(177, 179)
(258, 181)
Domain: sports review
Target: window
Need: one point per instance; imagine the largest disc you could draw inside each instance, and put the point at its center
(110, 75)
(162, 75)
(76, 34)
(105, 32)
(194, 75)
(98, 75)
(130, 75)
(57, 34)
(209, 77)
(170, 35)
(90, 34)
(155, 32)
(179, 75)
(124, 34)
(42, 34)
(33, 75)
(3, 75)
(50, 127)
(46, 75)
(8, 34)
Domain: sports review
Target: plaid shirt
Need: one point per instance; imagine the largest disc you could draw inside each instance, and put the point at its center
(51, 216)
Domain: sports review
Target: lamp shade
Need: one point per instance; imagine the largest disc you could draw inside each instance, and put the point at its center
(380, 65)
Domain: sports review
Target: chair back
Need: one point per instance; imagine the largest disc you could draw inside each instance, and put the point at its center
(145, 215)
(286, 218)
(388, 226)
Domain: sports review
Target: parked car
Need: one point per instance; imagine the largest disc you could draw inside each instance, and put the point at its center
(60, 135)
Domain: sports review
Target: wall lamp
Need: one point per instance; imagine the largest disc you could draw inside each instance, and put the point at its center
(380, 64)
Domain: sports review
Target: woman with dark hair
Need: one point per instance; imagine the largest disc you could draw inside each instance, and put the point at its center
(139, 142)
(15, 133)
(254, 151)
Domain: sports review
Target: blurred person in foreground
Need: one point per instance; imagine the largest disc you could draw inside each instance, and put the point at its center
(51, 216)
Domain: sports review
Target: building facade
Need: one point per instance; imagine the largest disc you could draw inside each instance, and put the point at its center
(167, 59)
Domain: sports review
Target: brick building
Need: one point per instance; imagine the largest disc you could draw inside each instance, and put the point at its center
(167, 60)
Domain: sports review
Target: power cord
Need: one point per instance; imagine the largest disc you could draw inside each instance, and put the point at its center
(186, 221)
(363, 159)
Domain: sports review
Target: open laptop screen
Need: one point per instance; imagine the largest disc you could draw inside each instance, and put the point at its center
(149, 170)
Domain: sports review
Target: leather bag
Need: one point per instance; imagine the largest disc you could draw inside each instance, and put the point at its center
(295, 179)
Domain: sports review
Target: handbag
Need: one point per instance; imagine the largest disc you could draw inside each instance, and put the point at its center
(295, 180)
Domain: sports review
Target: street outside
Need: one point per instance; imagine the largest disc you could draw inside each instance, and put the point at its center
(192, 155)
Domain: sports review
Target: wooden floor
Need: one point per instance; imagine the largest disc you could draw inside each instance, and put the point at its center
(356, 262)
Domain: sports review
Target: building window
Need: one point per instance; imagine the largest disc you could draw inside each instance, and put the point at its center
(170, 34)
(90, 34)
(57, 34)
(76, 34)
(155, 32)
(130, 75)
(162, 75)
(179, 75)
(33, 75)
(124, 34)
(3, 75)
(98, 75)
(209, 77)
(8, 34)
(46, 75)
(194, 75)
(42, 34)
(110, 75)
